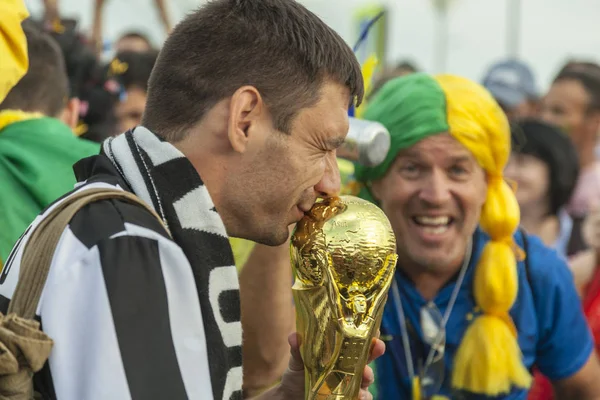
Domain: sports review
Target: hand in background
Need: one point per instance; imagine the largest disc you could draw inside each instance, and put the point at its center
(99, 4)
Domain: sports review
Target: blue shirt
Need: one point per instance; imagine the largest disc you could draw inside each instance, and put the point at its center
(552, 330)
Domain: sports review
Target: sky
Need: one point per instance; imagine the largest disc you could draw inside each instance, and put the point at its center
(476, 36)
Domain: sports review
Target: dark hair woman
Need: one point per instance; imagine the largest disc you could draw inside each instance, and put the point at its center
(545, 167)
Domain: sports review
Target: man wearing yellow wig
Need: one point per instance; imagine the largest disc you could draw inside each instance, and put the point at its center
(476, 303)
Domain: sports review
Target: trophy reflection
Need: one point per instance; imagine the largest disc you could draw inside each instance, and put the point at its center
(344, 255)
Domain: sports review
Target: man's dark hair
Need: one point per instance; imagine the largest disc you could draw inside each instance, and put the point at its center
(136, 68)
(553, 147)
(588, 77)
(277, 46)
(45, 86)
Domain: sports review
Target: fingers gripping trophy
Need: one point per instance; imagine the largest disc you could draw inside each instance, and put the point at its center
(344, 255)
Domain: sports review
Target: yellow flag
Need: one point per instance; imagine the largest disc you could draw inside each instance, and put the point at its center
(13, 45)
(368, 70)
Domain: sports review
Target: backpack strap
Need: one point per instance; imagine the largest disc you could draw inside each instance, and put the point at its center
(39, 250)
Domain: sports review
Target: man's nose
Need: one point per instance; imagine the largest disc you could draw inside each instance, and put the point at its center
(436, 189)
(330, 184)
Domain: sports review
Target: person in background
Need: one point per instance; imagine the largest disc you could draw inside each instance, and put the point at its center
(464, 292)
(106, 89)
(132, 41)
(549, 149)
(405, 67)
(573, 104)
(579, 65)
(128, 42)
(589, 66)
(37, 145)
(401, 69)
(13, 45)
(131, 71)
(591, 293)
(87, 80)
(544, 165)
(513, 85)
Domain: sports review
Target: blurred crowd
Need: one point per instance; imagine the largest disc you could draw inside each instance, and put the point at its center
(554, 164)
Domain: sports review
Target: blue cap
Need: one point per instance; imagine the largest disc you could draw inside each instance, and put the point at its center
(511, 82)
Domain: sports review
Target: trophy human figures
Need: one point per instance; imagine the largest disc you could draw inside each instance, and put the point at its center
(344, 255)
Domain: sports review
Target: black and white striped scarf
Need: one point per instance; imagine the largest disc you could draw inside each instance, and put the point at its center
(160, 175)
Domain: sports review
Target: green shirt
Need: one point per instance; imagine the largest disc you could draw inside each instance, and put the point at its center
(36, 159)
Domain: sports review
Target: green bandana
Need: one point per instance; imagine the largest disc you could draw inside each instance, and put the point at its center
(411, 108)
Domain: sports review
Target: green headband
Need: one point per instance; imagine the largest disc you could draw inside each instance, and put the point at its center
(411, 107)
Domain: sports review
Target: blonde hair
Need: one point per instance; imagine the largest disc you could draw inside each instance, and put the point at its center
(489, 359)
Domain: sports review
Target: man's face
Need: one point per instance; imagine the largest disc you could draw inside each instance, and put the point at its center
(566, 105)
(129, 111)
(433, 194)
(280, 177)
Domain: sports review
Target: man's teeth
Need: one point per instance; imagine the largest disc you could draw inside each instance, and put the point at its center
(437, 230)
(433, 225)
(433, 221)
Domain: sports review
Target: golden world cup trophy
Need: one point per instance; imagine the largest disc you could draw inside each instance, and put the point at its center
(344, 255)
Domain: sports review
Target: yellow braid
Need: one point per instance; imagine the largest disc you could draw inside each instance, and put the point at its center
(488, 360)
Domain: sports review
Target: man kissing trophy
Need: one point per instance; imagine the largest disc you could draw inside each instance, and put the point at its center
(344, 255)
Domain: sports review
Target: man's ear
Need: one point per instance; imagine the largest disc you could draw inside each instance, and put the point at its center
(70, 115)
(245, 110)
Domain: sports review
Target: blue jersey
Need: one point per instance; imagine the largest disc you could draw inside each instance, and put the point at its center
(553, 333)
